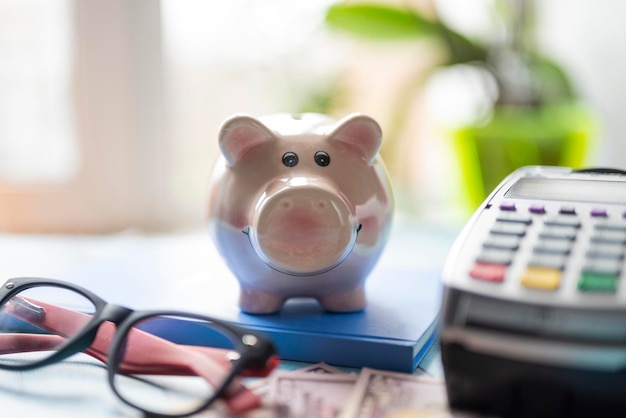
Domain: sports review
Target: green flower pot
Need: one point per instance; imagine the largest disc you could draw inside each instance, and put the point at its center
(556, 135)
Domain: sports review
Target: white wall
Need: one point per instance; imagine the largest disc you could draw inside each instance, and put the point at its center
(589, 38)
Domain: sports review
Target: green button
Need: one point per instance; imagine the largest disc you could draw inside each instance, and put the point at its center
(591, 282)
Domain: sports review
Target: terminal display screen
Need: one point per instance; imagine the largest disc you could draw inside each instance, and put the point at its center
(569, 190)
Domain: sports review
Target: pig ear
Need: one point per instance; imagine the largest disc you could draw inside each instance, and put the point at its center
(239, 134)
(361, 132)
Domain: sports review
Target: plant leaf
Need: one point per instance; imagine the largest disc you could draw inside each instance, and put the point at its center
(379, 22)
(460, 48)
(388, 23)
(552, 80)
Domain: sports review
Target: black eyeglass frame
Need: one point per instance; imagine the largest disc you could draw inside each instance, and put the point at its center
(253, 353)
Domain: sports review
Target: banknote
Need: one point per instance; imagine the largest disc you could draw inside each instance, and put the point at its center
(262, 387)
(383, 394)
(310, 395)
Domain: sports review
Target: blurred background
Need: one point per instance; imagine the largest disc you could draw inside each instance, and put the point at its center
(109, 108)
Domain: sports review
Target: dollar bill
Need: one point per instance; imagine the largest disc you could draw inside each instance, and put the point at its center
(323, 391)
(262, 387)
(382, 394)
(310, 395)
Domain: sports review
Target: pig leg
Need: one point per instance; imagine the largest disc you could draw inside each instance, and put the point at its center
(258, 302)
(351, 301)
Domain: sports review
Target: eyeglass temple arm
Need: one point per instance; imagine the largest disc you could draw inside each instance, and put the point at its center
(27, 343)
(68, 322)
(146, 353)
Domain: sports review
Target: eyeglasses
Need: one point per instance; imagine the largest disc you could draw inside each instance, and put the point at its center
(151, 361)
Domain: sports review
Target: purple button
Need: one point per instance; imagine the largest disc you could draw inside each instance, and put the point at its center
(507, 206)
(537, 208)
(598, 212)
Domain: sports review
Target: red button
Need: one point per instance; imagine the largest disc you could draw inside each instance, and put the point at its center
(488, 271)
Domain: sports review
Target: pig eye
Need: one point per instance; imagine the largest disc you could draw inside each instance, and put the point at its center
(290, 159)
(322, 158)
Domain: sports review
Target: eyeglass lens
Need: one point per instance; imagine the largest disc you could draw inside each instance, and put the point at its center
(25, 327)
(157, 367)
(172, 377)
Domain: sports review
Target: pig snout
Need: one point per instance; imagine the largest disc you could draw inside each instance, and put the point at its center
(302, 228)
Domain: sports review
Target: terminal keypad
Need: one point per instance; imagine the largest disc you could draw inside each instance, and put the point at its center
(551, 248)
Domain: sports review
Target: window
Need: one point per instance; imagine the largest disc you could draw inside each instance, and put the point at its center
(37, 139)
(114, 106)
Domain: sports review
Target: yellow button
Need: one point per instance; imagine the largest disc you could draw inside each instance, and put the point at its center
(541, 278)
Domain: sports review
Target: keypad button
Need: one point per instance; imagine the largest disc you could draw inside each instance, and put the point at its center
(554, 261)
(523, 218)
(611, 224)
(508, 242)
(559, 232)
(606, 250)
(563, 220)
(609, 236)
(591, 282)
(553, 246)
(604, 266)
(509, 228)
(598, 212)
(541, 278)
(496, 256)
(508, 206)
(489, 272)
(537, 209)
(567, 210)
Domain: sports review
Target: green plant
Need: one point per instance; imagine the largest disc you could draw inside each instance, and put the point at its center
(545, 80)
(534, 115)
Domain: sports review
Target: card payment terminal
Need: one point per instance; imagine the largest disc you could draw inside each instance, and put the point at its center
(533, 319)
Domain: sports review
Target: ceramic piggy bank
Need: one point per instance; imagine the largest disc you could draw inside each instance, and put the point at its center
(300, 206)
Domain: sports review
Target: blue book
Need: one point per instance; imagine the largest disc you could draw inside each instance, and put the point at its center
(394, 332)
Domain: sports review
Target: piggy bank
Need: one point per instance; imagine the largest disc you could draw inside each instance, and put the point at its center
(300, 206)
